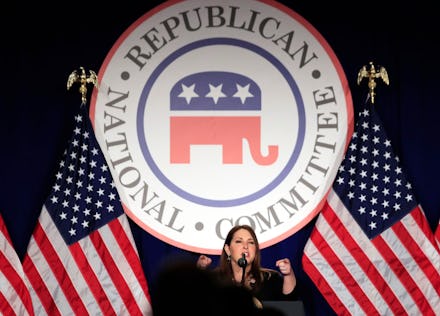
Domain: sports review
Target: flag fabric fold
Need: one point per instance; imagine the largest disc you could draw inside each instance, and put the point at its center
(437, 234)
(372, 251)
(14, 293)
(82, 258)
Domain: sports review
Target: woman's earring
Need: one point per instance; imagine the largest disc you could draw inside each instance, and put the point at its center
(229, 258)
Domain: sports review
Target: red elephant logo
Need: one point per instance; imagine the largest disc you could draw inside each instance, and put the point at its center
(217, 91)
(227, 131)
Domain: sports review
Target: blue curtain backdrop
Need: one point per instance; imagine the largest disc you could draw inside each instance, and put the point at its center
(42, 44)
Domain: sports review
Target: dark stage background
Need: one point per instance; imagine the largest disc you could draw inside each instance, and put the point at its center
(41, 45)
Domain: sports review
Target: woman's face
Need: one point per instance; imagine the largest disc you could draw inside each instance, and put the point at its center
(242, 243)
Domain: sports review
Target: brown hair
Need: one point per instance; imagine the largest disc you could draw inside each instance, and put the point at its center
(224, 267)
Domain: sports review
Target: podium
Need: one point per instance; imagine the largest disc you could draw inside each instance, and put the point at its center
(287, 308)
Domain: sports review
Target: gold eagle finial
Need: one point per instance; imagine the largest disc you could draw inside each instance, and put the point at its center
(372, 74)
(83, 80)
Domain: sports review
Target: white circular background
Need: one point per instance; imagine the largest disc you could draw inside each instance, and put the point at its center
(193, 205)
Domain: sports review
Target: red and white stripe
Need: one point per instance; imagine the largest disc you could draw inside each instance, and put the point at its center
(100, 274)
(437, 234)
(14, 293)
(396, 273)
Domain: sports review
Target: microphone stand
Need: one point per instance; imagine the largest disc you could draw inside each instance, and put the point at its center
(242, 275)
(242, 263)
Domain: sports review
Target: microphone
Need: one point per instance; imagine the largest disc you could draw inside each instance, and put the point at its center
(242, 262)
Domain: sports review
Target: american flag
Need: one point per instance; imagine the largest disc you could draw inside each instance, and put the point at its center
(437, 234)
(82, 258)
(372, 251)
(14, 294)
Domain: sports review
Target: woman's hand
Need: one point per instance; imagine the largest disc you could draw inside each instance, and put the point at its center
(289, 280)
(284, 266)
(203, 262)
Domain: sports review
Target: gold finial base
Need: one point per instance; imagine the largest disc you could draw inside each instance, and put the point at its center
(372, 74)
(83, 80)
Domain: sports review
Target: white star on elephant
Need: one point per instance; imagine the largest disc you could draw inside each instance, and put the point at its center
(243, 93)
(215, 92)
(188, 93)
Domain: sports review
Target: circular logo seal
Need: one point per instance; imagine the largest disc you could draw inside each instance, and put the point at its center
(215, 113)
